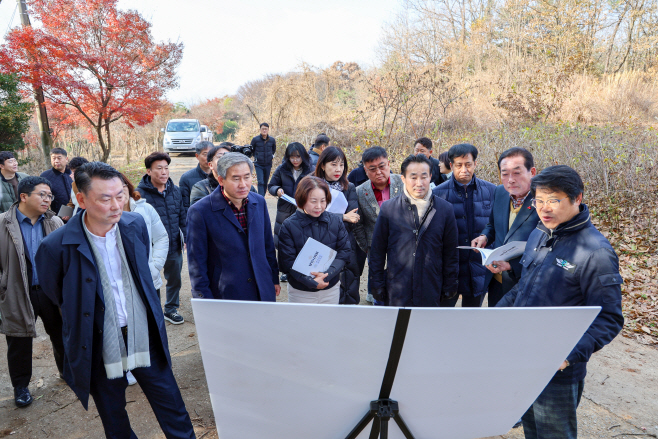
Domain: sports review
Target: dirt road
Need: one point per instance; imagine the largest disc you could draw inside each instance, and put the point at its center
(621, 391)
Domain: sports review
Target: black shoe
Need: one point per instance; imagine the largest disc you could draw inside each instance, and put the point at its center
(518, 424)
(284, 278)
(174, 318)
(22, 397)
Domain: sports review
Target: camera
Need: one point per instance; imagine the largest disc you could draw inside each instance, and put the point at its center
(247, 150)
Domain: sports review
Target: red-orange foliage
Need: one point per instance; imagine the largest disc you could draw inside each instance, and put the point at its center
(97, 60)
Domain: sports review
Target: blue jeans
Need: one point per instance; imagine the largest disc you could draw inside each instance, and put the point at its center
(263, 176)
(172, 272)
(553, 414)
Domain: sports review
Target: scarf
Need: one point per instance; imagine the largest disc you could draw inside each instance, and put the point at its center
(336, 185)
(421, 204)
(116, 357)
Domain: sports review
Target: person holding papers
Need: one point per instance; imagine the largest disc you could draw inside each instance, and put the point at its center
(413, 257)
(332, 167)
(512, 218)
(312, 222)
(295, 166)
(567, 262)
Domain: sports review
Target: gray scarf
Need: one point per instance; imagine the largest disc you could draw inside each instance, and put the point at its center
(336, 185)
(115, 357)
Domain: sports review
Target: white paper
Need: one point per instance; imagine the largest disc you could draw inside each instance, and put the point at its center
(338, 202)
(315, 256)
(506, 252)
(299, 371)
(65, 210)
(289, 199)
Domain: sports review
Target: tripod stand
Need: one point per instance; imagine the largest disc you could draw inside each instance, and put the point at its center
(383, 409)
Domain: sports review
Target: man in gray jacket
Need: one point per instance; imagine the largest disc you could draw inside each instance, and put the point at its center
(9, 179)
(22, 228)
(381, 186)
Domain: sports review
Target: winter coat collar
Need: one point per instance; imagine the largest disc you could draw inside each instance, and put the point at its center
(147, 185)
(305, 219)
(67, 171)
(575, 224)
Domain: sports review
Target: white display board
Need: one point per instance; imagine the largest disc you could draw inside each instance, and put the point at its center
(279, 370)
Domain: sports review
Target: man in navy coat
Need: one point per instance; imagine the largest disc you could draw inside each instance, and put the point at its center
(230, 248)
(512, 219)
(97, 267)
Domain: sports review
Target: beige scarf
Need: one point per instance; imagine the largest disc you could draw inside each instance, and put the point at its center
(422, 204)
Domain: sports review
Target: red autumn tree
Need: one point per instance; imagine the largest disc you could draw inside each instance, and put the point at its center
(97, 60)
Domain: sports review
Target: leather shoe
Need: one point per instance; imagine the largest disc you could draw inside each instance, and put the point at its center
(22, 397)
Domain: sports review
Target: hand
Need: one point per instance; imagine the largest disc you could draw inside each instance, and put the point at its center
(564, 365)
(279, 193)
(66, 218)
(277, 289)
(499, 266)
(479, 242)
(319, 278)
(351, 217)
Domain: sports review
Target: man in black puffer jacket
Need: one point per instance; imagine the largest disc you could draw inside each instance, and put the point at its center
(160, 192)
(264, 148)
(567, 262)
(60, 179)
(472, 201)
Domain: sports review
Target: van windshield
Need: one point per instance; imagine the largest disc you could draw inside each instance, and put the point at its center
(182, 127)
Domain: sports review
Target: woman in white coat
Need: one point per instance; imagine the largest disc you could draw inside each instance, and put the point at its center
(157, 231)
(157, 234)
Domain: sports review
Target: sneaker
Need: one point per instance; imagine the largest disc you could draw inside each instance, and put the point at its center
(131, 379)
(22, 397)
(174, 318)
(284, 278)
(370, 299)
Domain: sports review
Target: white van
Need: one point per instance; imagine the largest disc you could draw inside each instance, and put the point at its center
(181, 135)
(206, 133)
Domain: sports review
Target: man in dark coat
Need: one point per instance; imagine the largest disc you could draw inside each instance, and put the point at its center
(567, 262)
(471, 199)
(512, 219)
(98, 272)
(413, 257)
(264, 148)
(22, 228)
(160, 192)
(357, 175)
(424, 146)
(193, 176)
(321, 142)
(231, 251)
(60, 178)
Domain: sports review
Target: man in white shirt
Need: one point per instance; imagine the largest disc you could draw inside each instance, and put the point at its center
(113, 324)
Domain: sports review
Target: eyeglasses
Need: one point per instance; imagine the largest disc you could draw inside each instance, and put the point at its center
(553, 203)
(45, 196)
(381, 167)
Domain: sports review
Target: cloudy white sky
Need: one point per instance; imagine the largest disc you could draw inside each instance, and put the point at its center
(230, 42)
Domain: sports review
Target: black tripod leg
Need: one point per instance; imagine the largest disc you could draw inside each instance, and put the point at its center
(376, 428)
(403, 426)
(363, 423)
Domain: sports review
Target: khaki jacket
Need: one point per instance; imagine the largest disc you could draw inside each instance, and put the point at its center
(16, 311)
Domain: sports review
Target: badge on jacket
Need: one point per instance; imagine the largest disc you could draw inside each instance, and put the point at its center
(563, 263)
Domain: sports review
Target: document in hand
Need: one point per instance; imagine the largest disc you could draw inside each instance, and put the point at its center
(508, 251)
(338, 202)
(65, 211)
(289, 199)
(315, 256)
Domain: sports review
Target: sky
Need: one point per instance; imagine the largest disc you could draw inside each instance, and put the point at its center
(228, 43)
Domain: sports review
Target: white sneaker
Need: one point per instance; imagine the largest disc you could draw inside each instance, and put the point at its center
(369, 298)
(131, 379)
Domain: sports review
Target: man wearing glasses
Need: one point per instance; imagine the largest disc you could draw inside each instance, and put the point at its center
(567, 262)
(22, 228)
(9, 178)
(381, 186)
